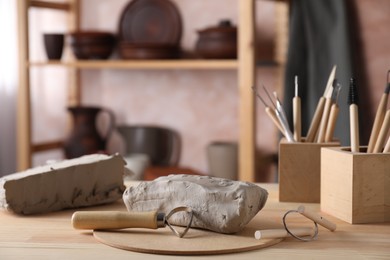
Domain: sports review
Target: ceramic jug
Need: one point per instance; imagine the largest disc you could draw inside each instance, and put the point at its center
(85, 137)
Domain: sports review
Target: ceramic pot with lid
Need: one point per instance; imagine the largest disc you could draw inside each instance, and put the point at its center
(218, 42)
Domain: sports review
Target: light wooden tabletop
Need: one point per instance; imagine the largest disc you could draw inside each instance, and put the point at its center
(51, 236)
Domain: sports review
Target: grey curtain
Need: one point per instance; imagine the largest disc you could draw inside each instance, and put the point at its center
(319, 39)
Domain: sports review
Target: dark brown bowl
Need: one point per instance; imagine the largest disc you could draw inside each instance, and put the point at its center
(148, 51)
(92, 51)
(87, 37)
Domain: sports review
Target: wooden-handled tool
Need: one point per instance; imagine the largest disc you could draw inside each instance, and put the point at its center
(315, 123)
(297, 113)
(380, 143)
(379, 117)
(120, 220)
(334, 112)
(281, 233)
(317, 218)
(354, 116)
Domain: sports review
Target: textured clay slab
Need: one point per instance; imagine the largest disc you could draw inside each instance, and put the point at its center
(219, 205)
(85, 181)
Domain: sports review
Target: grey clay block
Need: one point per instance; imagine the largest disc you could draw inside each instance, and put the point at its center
(85, 181)
(220, 205)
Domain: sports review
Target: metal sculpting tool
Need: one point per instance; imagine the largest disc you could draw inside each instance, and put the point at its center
(313, 129)
(283, 123)
(270, 112)
(380, 114)
(283, 119)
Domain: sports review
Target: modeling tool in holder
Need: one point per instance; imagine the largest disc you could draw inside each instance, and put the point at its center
(379, 117)
(334, 112)
(297, 113)
(315, 122)
(325, 114)
(283, 118)
(380, 142)
(387, 146)
(270, 112)
(353, 116)
(278, 110)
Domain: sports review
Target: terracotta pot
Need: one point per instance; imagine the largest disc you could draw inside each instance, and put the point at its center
(84, 137)
(218, 42)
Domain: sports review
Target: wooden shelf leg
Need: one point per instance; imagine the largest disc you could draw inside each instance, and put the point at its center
(23, 107)
(246, 79)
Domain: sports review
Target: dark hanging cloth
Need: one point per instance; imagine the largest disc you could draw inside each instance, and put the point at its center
(318, 39)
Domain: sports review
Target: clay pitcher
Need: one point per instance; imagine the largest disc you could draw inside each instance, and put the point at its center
(84, 137)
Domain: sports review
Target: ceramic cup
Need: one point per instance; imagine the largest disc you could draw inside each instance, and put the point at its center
(54, 44)
(222, 159)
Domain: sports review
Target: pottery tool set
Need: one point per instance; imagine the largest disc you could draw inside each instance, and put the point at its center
(381, 125)
(324, 120)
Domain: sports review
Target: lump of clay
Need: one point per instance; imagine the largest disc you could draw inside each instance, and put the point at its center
(219, 205)
(85, 181)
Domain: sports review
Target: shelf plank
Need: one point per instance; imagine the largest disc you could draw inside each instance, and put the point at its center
(50, 5)
(47, 146)
(142, 64)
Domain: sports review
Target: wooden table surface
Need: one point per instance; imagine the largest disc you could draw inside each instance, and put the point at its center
(51, 236)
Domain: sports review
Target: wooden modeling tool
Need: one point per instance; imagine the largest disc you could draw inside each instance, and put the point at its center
(270, 112)
(387, 146)
(382, 133)
(353, 116)
(334, 112)
(317, 218)
(282, 233)
(315, 122)
(119, 220)
(325, 114)
(380, 114)
(297, 113)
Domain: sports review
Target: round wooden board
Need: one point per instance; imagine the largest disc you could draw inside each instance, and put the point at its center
(195, 242)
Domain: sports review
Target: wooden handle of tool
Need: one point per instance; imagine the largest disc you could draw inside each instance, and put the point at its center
(281, 233)
(380, 142)
(297, 118)
(271, 113)
(380, 114)
(114, 220)
(387, 146)
(354, 128)
(317, 218)
(315, 122)
(334, 112)
(324, 121)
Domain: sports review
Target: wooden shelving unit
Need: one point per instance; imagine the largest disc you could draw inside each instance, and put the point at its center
(146, 64)
(245, 65)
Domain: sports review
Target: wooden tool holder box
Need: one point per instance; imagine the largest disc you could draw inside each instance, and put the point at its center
(355, 187)
(299, 171)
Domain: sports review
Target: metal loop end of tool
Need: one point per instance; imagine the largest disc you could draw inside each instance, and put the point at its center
(313, 237)
(174, 211)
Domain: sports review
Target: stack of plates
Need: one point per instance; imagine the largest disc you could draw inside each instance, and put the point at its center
(150, 29)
